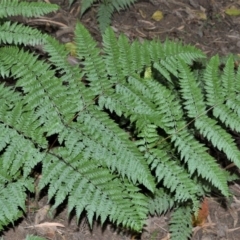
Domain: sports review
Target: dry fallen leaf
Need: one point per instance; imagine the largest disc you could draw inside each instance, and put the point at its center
(201, 217)
(47, 229)
(157, 16)
(201, 15)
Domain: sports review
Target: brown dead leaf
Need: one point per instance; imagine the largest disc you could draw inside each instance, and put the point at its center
(200, 218)
(47, 229)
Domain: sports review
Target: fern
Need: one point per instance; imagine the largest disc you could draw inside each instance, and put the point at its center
(180, 224)
(105, 10)
(26, 9)
(32, 237)
(126, 121)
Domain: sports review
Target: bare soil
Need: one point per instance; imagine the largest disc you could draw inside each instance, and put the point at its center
(201, 23)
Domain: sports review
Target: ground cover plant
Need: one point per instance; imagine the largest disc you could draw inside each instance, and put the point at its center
(130, 122)
(105, 9)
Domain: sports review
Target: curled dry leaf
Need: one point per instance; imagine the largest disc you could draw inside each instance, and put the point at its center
(47, 229)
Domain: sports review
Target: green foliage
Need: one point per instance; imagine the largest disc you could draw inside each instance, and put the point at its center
(26, 9)
(32, 237)
(180, 225)
(105, 9)
(129, 121)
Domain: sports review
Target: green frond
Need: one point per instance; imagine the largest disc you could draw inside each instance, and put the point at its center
(126, 122)
(228, 78)
(94, 69)
(105, 10)
(16, 33)
(212, 82)
(32, 237)
(180, 223)
(122, 4)
(192, 153)
(86, 4)
(161, 202)
(189, 149)
(104, 194)
(191, 92)
(25, 9)
(104, 15)
(166, 167)
(218, 137)
(15, 208)
(70, 75)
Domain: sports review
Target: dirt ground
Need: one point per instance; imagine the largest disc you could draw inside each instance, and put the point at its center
(202, 23)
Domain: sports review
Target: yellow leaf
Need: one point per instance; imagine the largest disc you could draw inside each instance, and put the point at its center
(148, 73)
(71, 48)
(233, 11)
(201, 15)
(157, 16)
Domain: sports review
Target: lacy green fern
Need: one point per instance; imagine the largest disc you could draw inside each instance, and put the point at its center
(152, 163)
(105, 9)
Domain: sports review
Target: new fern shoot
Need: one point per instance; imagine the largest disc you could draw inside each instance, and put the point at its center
(112, 171)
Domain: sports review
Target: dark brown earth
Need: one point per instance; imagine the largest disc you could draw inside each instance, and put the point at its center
(202, 23)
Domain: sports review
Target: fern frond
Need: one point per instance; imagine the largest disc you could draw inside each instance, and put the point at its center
(94, 68)
(98, 165)
(228, 84)
(104, 194)
(70, 75)
(16, 33)
(180, 223)
(32, 237)
(193, 102)
(122, 4)
(166, 167)
(86, 4)
(166, 56)
(189, 149)
(228, 78)
(195, 105)
(26, 9)
(161, 202)
(219, 138)
(104, 15)
(212, 83)
(13, 209)
(193, 152)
